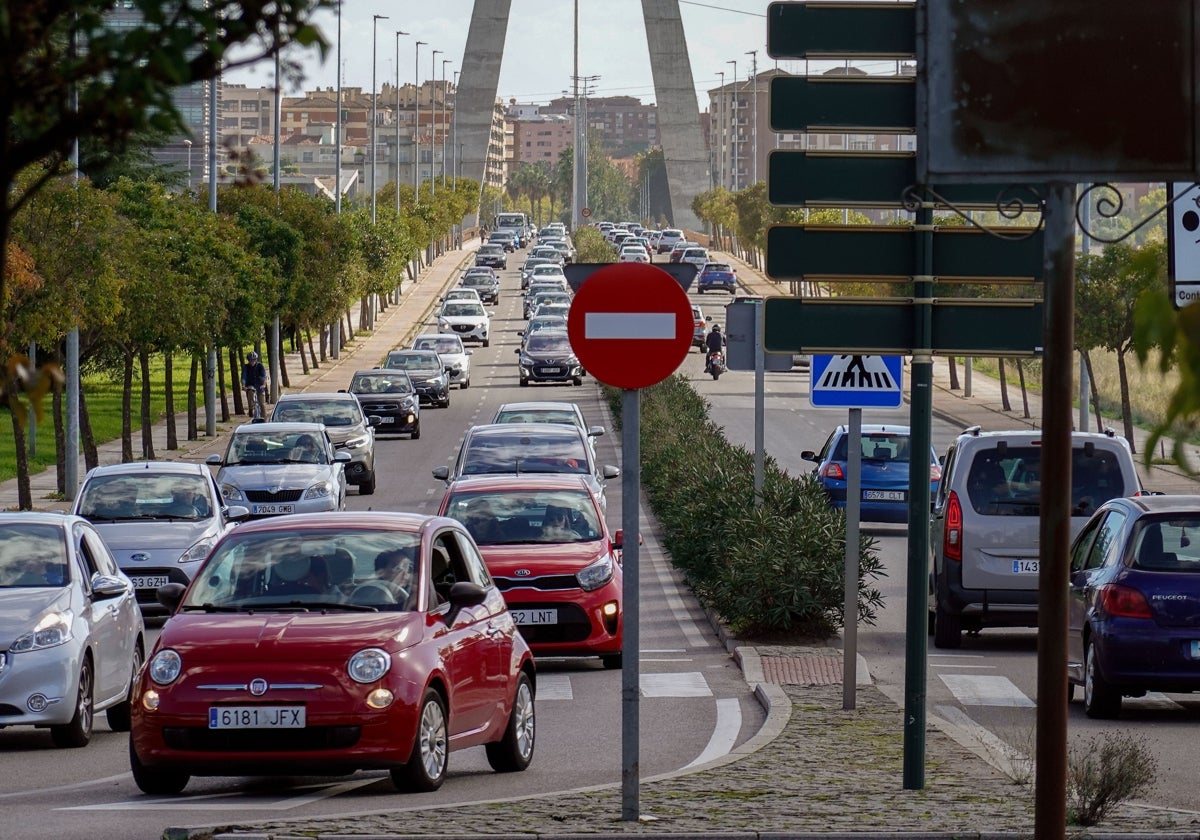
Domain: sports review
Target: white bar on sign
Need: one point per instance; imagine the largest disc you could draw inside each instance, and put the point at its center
(653, 325)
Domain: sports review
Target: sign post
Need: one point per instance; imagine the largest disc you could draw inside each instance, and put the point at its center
(631, 327)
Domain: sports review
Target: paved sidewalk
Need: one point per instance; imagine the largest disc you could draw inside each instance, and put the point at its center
(394, 327)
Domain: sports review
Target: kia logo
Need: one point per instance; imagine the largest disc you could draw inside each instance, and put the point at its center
(258, 686)
(522, 573)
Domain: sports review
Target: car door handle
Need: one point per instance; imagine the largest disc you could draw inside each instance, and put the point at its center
(493, 630)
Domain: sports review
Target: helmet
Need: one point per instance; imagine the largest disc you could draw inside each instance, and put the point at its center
(716, 327)
(252, 356)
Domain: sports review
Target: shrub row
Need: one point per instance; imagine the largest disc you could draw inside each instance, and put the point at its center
(777, 567)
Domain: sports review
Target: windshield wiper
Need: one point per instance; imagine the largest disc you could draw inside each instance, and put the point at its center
(214, 608)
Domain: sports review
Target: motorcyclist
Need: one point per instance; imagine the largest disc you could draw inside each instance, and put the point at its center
(715, 343)
(254, 375)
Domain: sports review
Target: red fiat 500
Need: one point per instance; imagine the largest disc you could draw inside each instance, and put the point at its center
(546, 544)
(331, 643)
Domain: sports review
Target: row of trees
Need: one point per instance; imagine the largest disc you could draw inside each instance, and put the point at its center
(145, 272)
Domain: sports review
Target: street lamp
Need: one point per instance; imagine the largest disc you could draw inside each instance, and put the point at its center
(733, 162)
(754, 117)
(398, 34)
(432, 122)
(374, 110)
(719, 124)
(454, 133)
(442, 121)
(188, 143)
(417, 123)
(337, 142)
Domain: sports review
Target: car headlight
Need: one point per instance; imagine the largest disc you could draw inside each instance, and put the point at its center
(596, 574)
(369, 665)
(406, 404)
(320, 490)
(358, 442)
(525, 361)
(164, 668)
(232, 493)
(438, 381)
(443, 325)
(52, 630)
(198, 551)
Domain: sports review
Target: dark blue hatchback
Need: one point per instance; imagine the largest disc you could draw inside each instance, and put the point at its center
(1134, 603)
(885, 464)
(717, 277)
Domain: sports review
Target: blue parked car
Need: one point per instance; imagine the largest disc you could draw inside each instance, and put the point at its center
(717, 277)
(885, 462)
(1134, 602)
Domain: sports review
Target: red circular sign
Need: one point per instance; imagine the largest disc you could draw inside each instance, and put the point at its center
(585, 212)
(630, 325)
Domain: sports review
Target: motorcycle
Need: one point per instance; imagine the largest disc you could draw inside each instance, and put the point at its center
(716, 364)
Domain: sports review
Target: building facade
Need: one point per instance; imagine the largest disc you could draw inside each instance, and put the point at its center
(624, 124)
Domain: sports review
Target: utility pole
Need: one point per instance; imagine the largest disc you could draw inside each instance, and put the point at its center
(719, 127)
(432, 119)
(417, 123)
(754, 126)
(442, 121)
(576, 201)
(733, 140)
(374, 111)
(337, 125)
(398, 34)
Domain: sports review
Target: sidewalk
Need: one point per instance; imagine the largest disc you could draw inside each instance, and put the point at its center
(395, 327)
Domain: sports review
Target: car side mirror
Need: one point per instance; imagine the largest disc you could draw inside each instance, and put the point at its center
(237, 513)
(517, 351)
(595, 431)
(442, 472)
(107, 587)
(214, 460)
(808, 455)
(170, 594)
(464, 593)
(374, 420)
(609, 471)
(342, 458)
(618, 540)
(470, 352)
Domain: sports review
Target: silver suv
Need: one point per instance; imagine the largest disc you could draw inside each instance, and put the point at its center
(984, 524)
(349, 428)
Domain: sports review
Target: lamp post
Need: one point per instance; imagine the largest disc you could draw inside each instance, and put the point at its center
(442, 121)
(374, 110)
(733, 139)
(188, 143)
(337, 140)
(754, 116)
(398, 34)
(719, 126)
(432, 120)
(454, 134)
(417, 123)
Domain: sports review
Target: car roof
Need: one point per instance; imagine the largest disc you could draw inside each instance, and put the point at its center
(309, 396)
(485, 430)
(280, 428)
(520, 481)
(434, 335)
(393, 520)
(157, 467)
(547, 405)
(386, 371)
(886, 428)
(976, 432)
(1184, 503)
(40, 518)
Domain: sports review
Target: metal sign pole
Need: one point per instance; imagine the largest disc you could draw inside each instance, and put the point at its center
(631, 489)
(850, 607)
(760, 363)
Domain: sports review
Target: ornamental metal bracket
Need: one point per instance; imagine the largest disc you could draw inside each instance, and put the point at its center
(1011, 202)
(1108, 208)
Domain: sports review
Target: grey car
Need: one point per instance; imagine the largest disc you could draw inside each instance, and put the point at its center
(158, 518)
(349, 427)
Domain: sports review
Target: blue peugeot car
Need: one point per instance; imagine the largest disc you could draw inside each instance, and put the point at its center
(886, 452)
(717, 277)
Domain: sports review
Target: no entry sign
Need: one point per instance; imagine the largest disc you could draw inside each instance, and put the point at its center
(630, 325)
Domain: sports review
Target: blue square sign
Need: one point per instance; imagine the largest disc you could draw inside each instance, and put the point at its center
(856, 381)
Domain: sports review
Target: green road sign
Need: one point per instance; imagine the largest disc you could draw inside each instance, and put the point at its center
(883, 326)
(887, 252)
(864, 30)
(864, 179)
(885, 105)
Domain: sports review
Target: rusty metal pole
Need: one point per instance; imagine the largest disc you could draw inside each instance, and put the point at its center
(1050, 788)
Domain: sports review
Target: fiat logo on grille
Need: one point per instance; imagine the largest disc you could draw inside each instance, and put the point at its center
(258, 686)
(522, 573)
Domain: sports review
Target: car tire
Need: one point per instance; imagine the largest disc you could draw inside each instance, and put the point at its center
(577, 381)
(932, 621)
(514, 751)
(465, 384)
(367, 487)
(416, 432)
(947, 630)
(78, 732)
(445, 403)
(158, 781)
(612, 661)
(119, 716)
(486, 343)
(1100, 699)
(524, 382)
(426, 767)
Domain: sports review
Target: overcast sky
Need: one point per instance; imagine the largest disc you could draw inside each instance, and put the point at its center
(538, 61)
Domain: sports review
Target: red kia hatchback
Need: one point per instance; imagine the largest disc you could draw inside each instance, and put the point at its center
(546, 545)
(325, 644)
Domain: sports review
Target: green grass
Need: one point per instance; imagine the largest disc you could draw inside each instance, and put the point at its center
(103, 395)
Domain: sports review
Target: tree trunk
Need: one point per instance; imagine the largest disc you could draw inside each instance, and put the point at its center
(127, 408)
(1004, 401)
(193, 420)
(1024, 393)
(954, 386)
(235, 378)
(221, 391)
(349, 326)
(303, 358)
(60, 442)
(311, 350)
(1087, 360)
(322, 338)
(169, 399)
(1126, 408)
(283, 372)
(147, 417)
(91, 457)
(364, 313)
(24, 491)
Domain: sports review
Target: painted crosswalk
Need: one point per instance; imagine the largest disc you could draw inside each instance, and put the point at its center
(554, 686)
(991, 690)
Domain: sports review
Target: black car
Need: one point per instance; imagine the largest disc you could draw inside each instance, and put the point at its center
(426, 372)
(486, 286)
(547, 357)
(492, 255)
(389, 395)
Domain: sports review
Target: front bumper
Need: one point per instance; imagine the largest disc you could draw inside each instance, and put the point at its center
(551, 372)
(584, 623)
(38, 688)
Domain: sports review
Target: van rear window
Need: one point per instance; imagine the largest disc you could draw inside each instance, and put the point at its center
(1011, 485)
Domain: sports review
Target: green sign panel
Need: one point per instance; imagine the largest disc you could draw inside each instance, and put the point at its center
(884, 326)
(886, 252)
(866, 30)
(849, 103)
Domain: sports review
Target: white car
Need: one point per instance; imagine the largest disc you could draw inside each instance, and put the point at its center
(455, 357)
(465, 318)
(696, 256)
(461, 293)
(633, 254)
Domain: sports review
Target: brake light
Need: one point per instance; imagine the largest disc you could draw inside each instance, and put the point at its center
(1124, 601)
(952, 529)
(832, 470)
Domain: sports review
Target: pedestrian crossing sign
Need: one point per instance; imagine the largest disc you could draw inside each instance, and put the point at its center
(856, 381)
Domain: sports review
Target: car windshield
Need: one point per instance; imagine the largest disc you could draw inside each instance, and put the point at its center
(463, 309)
(334, 569)
(876, 446)
(330, 412)
(556, 310)
(562, 417)
(478, 281)
(724, 267)
(257, 448)
(439, 344)
(548, 342)
(491, 249)
(549, 323)
(381, 383)
(547, 270)
(461, 294)
(553, 297)
(32, 555)
(520, 452)
(527, 516)
(144, 495)
(1009, 484)
(415, 361)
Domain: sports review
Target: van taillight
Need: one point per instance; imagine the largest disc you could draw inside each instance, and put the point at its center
(1124, 601)
(832, 470)
(952, 534)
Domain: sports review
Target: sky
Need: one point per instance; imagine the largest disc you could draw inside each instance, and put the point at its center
(538, 61)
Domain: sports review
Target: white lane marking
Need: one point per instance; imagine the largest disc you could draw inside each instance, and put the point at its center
(686, 684)
(220, 801)
(691, 631)
(641, 325)
(680, 659)
(951, 665)
(725, 732)
(972, 690)
(59, 788)
(1154, 700)
(1009, 759)
(663, 650)
(554, 687)
(955, 656)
